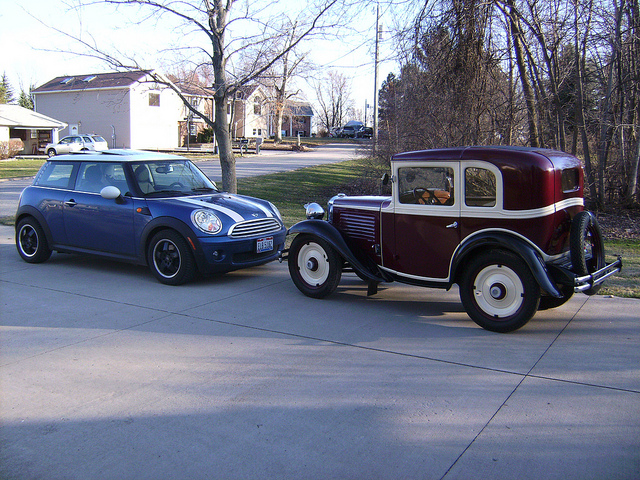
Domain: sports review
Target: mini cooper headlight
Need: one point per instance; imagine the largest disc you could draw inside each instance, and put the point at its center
(275, 209)
(207, 221)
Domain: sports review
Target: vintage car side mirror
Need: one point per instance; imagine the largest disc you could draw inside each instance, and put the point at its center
(385, 179)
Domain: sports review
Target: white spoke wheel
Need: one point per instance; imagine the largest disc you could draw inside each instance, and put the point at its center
(499, 292)
(31, 241)
(170, 259)
(314, 265)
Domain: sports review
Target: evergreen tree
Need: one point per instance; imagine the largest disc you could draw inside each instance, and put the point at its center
(25, 100)
(6, 92)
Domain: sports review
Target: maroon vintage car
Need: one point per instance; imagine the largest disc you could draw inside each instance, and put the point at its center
(506, 224)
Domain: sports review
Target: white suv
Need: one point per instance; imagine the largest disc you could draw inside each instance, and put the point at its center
(76, 143)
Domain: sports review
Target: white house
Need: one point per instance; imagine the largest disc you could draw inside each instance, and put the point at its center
(128, 109)
(34, 129)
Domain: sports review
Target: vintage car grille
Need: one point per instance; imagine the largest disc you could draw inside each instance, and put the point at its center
(358, 224)
(252, 228)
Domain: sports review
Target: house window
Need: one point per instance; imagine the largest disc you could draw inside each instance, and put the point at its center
(154, 99)
(257, 108)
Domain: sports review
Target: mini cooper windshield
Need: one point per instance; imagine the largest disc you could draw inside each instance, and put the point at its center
(168, 178)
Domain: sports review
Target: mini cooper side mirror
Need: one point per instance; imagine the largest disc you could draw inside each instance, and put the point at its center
(111, 193)
(385, 179)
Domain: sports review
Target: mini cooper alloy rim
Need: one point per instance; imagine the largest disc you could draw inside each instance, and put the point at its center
(28, 240)
(313, 264)
(166, 258)
(498, 291)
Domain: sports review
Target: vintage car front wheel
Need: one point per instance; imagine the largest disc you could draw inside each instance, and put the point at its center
(314, 265)
(499, 292)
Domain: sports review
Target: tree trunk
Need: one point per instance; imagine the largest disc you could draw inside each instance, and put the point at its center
(516, 32)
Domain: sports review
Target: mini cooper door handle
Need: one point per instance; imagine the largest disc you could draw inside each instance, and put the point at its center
(453, 225)
(70, 203)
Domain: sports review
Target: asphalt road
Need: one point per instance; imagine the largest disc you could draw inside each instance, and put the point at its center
(269, 161)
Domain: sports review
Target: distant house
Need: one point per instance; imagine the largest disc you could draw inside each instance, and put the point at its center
(296, 120)
(248, 112)
(34, 129)
(128, 109)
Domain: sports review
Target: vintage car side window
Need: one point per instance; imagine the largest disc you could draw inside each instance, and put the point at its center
(56, 175)
(479, 187)
(426, 185)
(91, 178)
(570, 180)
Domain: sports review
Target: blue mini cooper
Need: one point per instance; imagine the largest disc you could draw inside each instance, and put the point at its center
(145, 208)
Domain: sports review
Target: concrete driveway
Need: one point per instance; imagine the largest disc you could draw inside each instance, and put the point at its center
(107, 374)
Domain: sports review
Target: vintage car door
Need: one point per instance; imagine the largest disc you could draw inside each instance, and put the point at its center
(95, 223)
(426, 218)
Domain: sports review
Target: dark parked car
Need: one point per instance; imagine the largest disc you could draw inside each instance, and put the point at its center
(145, 208)
(364, 132)
(506, 224)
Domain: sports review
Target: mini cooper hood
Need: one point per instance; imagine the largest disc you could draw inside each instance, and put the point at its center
(236, 207)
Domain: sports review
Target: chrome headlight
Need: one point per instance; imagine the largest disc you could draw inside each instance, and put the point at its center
(206, 220)
(313, 210)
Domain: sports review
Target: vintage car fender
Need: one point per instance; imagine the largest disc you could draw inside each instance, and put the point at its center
(509, 242)
(330, 234)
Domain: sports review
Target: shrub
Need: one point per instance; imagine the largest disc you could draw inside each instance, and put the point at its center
(11, 148)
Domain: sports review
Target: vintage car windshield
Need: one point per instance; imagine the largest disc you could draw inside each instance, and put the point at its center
(171, 178)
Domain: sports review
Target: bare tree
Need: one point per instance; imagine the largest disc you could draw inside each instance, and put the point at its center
(231, 29)
(334, 99)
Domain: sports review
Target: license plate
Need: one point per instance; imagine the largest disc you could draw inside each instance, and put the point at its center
(264, 245)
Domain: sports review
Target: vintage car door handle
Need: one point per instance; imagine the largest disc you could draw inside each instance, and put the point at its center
(453, 225)
(70, 203)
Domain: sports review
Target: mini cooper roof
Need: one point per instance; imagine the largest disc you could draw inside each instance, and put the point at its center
(116, 155)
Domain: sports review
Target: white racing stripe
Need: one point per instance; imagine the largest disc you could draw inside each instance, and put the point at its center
(203, 204)
(264, 209)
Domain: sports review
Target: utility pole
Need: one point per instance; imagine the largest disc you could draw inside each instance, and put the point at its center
(375, 81)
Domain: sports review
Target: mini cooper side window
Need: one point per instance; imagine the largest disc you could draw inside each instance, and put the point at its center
(426, 185)
(91, 178)
(56, 175)
(479, 187)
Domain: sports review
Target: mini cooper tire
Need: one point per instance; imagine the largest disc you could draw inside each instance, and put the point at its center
(170, 259)
(499, 292)
(314, 265)
(31, 241)
(587, 246)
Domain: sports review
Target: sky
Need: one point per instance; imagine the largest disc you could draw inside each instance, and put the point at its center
(32, 52)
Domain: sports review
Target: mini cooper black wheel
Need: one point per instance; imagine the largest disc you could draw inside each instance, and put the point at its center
(170, 259)
(31, 241)
(314, 265)
(587, 247)
(499, 292)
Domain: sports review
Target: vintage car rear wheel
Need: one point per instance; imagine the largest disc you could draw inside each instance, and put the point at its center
(170, 259)
(314, 265)
(31, 241)
(587, 247)
(499, 292)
